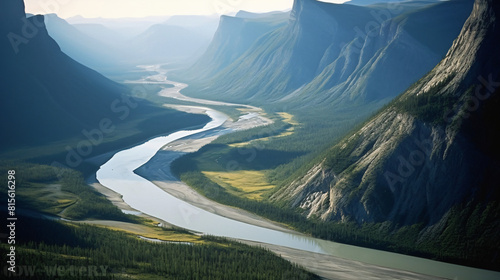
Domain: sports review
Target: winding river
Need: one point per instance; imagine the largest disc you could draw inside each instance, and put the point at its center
(118, 175)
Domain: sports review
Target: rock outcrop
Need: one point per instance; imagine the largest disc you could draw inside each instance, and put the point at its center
(433, 148)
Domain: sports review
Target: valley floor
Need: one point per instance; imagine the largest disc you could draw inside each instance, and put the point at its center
(328, 267)
(157, 170)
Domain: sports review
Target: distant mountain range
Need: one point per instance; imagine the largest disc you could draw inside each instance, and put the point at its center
(328, 54)
(234, 36)
(125, 27)
(85, 47)
(102, 44)
(49, 98)
(423, 168)
(46, 95)
(371, 2)
(429, 159)
(164, 43)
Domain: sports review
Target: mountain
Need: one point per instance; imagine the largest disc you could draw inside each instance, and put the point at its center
(49, 98)
(162, 43)
(324, 55)
(92, 52)
(177, 38)
(405, 48)
(110, 44)
(44, 89)
(101, 33)
(371, 2)
(125, 27)
(234, 36)
(429, 159)
(206, 25)
(250, 15)
(136, 41)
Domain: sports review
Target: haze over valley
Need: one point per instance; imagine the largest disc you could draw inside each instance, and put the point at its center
(250, 140)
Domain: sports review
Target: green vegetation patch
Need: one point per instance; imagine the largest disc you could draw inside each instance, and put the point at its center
(45, 244)
(429, 106)
(243, 183)
(58, 191)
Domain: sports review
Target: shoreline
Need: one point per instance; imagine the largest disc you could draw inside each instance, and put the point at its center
(331, 267)
(157, 171)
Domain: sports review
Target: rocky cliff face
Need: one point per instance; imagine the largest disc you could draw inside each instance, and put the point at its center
(426, 152)
(234, 36)
(387, 54)
(335, 55)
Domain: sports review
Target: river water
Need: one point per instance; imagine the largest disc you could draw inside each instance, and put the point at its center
(118, 175)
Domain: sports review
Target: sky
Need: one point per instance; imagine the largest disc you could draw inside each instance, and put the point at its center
(144, 8)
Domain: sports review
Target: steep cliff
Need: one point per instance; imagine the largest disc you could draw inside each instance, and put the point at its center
(335, 55)
(91, 52)
(45, 94)
(234, 36)
(429, 153)
(49, 99)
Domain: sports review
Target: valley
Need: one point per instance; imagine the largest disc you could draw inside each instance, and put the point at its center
(205, 217)
(321, 141)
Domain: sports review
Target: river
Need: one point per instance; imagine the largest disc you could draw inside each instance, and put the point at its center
(118, 175)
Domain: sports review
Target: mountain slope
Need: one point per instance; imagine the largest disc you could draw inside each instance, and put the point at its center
(206, 25)
(234, 36)
(162, 42)
(370, 2)
(404, 49)
(47, 97)
(324, 55)
(92, 52)
(429, 158)
(178, 38)
(99, 32)
(108, 49)
(42, 87)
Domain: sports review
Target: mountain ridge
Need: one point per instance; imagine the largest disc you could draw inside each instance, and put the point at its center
(229, 43)
(25, 40)
(324, 57)
(428, 158)
(51, 104)
(91, 52)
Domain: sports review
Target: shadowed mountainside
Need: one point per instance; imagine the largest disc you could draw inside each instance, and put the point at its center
(329, 55)
(429, 158)
(48, 97)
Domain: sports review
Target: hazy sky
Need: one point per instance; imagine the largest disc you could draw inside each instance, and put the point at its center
(143, 8)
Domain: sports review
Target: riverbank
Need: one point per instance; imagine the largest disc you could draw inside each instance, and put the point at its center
(330, 267)
(157, 171)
